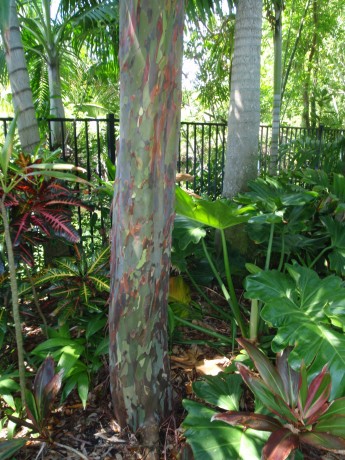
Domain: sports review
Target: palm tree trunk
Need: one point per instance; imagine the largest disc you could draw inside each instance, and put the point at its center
(277, 86)
(151, 35)
(19, 79)
(241, 162)
(56, 107)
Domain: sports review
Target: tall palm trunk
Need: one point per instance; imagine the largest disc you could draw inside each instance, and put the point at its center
(56, 108)
(19, 80)
(151, 36)
(277, 85)
(241, 162)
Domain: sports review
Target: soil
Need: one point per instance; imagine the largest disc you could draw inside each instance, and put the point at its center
(93, 434)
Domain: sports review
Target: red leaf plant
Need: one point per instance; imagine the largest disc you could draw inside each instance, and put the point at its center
(40, 207)
(301, 414)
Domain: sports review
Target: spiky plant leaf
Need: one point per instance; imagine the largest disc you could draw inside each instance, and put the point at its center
(263, 392)
(336, 407)
(267, 371)
(323, 441)
(332, 424)
(318, 394)
(289, 377)
(9, 448)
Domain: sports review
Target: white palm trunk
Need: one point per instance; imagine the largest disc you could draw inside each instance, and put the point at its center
(19, 80)
(241, 163)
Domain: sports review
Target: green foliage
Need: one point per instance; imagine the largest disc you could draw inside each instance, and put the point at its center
(209, 440)
(9, 448)
(300, 412)
(77, 358)
(308, 313)
(45, 389)
(78, 286)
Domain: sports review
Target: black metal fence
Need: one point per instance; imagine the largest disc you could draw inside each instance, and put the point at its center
(89, 142)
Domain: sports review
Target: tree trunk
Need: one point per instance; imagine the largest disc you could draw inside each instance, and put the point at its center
(241, 163)
(19, 79)
(55, 100)
(56, 108)
(277, 87)
(151, 36)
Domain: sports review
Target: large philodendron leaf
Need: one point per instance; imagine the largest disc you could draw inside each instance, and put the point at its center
(217, 440)
(222, 390)
(301, 306)
(216, 214)
(336, 232)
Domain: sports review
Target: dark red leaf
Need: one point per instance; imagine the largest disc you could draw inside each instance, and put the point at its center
(249, 420)
(280, 445)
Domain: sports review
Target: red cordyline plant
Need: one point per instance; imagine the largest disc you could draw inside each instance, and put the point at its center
(40, 207)
(301, 413)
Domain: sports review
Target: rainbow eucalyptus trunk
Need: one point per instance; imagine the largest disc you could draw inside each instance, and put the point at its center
(151, 36)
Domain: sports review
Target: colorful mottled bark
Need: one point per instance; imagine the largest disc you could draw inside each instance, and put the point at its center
(151, 37)
(241, 164)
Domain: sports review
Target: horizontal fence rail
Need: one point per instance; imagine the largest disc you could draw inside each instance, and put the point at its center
(88, 142)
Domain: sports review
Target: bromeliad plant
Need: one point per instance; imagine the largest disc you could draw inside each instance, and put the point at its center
(301, 412)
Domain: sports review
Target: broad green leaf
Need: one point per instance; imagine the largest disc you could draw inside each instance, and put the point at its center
(9, 448)
(8, 386)
(83, 387)
(103, 347)
(70, 354)
(9, 400)
(217, 440)
(216, 214)
(298, 304)
(58, 342)
(94, 326)
(222, 390)
(187, 231)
